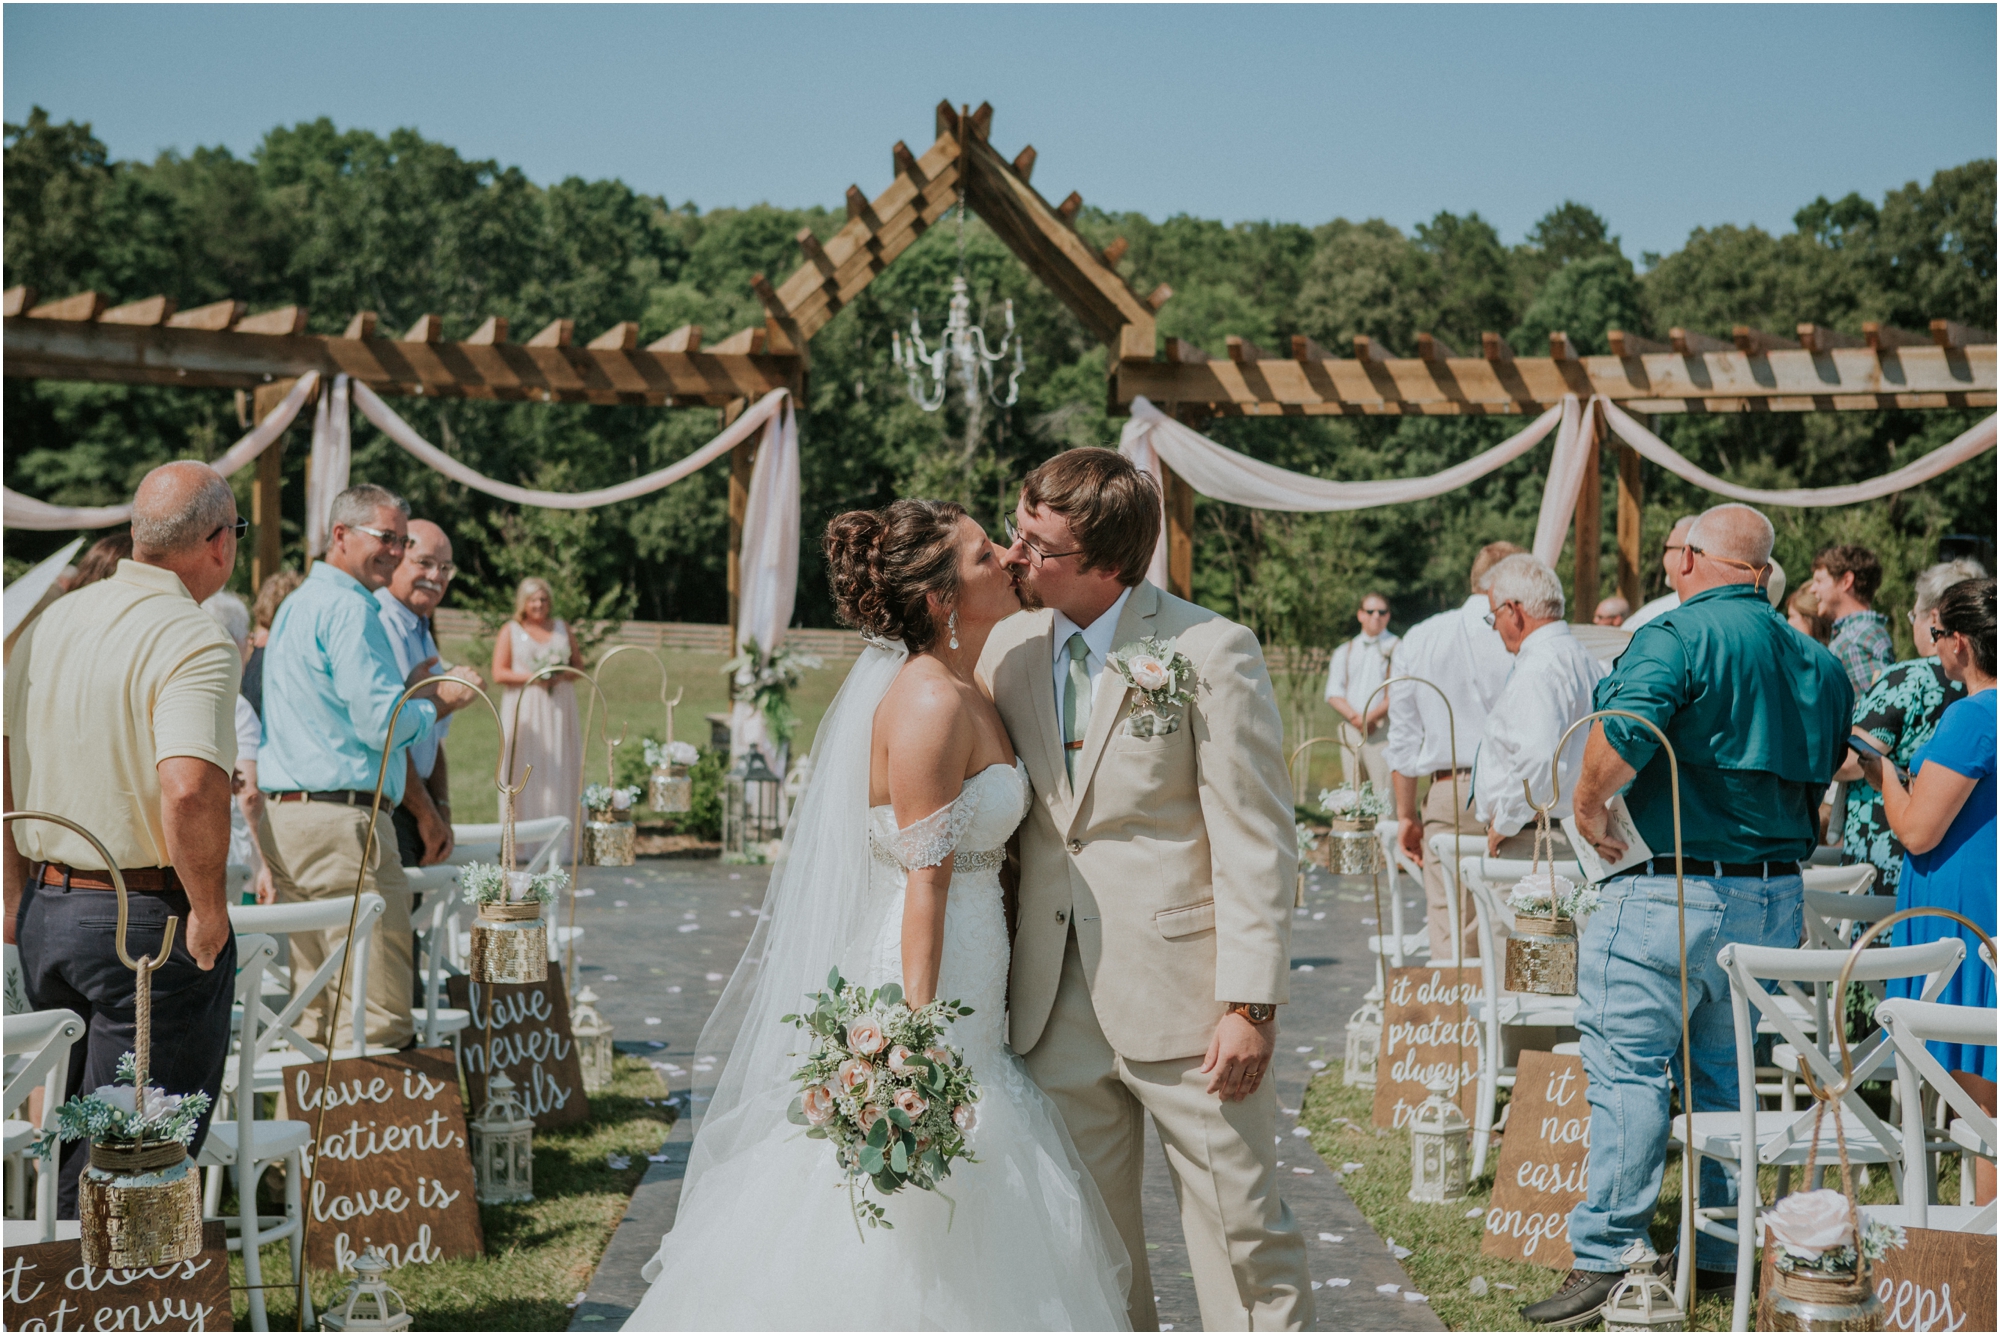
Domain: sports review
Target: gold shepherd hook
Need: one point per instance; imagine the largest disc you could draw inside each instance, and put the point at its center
(610, 772)
(354, 915)
(1690, 1180)
(1299, 899)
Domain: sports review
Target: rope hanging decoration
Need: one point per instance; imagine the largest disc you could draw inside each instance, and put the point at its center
(1542, 952)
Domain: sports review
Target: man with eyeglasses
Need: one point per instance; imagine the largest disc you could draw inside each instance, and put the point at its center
(331, 681)
(1356, 669)
(1670, 565)
(412, 595)
(120, 716)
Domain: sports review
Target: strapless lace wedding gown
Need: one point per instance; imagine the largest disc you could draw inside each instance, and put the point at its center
(773, 1246)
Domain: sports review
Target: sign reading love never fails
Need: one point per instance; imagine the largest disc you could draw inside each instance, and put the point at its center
(532, 1043)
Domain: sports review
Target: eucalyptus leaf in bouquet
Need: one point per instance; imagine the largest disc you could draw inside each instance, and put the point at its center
(119, 1113)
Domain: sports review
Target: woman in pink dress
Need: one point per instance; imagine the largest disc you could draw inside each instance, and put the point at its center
(547, 735)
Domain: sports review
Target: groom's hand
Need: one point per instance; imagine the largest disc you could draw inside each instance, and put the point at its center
(1238, 1056)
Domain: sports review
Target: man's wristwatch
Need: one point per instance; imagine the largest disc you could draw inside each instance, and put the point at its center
(1256, 1012)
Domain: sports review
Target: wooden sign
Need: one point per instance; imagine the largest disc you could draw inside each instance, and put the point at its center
(1940, 1281)
(532, 1043)
(1426, 1033)
(393, 1166)
(1541, 1176)
(50, 1288)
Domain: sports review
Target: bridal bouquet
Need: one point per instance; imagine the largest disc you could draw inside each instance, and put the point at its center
(881, 1084)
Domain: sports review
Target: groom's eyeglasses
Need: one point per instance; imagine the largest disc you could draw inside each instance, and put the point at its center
(1016, 538)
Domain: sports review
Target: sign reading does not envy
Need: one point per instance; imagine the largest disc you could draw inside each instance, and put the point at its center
(1427, 1033)
(532, 1043)
(1541, 1174)
(48, 1287)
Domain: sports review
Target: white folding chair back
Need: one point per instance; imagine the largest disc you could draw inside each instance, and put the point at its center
(481, 843)
(436, 925)
(1858, 879)
(1448, 849)
(43, 1040)
(236, 879)
(314, 915)
(1910, 1024)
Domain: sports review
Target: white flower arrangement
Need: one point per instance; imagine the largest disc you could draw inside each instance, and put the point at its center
(1815, 1231)
(881, 1083)
(490, 883)
(670, 753)
(115, 1114)
(1348, 803)
(603, 797)
(1308, 842)
(766, 682)
(1531, 895)
(1162, 679)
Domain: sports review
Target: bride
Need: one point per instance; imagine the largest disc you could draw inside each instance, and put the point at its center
(891, 874)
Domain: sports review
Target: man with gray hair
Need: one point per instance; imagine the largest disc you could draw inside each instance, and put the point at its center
(1548, 690)
(120, 716)
(330, 684)
(1757, 717)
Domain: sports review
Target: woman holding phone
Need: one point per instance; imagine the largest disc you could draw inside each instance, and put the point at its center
(1944, 818)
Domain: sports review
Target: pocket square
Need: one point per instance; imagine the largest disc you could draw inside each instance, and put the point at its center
(1151, 725)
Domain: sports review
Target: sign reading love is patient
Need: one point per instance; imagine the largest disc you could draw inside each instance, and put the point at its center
(1541, 1175)
(532, 1043)
(1427, 1033)
(48, 1287)
(393, 1165)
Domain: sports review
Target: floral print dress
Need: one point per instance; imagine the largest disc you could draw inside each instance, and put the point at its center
(1901, 711)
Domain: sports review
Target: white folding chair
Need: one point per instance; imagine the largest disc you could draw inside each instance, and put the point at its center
(1910, 1024)
(313, 915)
(1858, 879)
(481, 843)
(1751, 1138)
(246, 1146)
(42, 1040)
(436, 924)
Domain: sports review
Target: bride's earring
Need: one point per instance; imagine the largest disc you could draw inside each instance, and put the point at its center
(951, 625)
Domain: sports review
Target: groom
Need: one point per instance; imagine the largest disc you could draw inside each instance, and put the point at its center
(1157, 872)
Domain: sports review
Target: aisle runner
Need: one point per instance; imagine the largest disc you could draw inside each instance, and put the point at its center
(50, 1288)
(393, 1167)
(1540, 1178)
(532, 1043)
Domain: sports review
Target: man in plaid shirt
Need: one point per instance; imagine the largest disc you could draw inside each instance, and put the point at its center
(1844, 579)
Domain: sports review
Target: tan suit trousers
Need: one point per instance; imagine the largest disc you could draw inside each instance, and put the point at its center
(1374, 765)
(320, 844)
(1248, 1255)
(1437, 915)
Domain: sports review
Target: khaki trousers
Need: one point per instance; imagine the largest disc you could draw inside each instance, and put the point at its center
(1438, 820)
(320, 845)
(1247, 1253)
(1374, 765)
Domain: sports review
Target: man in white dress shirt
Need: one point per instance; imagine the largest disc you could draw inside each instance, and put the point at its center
(1549, 689)
(1357, 668)
(1461, 654)
(413, 593)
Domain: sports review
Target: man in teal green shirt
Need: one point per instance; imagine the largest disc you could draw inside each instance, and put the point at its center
(1757, 716)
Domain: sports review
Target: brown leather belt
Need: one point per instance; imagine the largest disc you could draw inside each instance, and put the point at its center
(1444, 775)
(347, 797)
(142, 880)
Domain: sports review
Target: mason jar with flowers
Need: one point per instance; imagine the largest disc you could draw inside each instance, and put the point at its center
(1541, 953)
(669, 789)
(609, 837)
(510, 940)
(1353, 849)
(1824, 1246)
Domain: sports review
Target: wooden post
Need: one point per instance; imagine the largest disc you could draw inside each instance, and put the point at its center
(1631, 511)
(1180, 534)
(267, 491)
(742, 460)
(1589, 530)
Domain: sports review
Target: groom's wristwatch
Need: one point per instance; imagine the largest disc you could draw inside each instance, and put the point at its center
(1256, 1012)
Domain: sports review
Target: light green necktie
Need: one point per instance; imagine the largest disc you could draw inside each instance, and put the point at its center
(1076, 702)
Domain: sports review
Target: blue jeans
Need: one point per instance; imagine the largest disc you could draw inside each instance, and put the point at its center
(1628, 986)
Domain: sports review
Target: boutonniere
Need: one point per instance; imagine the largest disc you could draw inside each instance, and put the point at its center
(1161, 678)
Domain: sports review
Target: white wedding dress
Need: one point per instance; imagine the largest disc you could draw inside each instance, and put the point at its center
(765, 1238)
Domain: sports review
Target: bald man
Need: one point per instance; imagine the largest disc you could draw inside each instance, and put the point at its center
(120, 715)
(1757, 717)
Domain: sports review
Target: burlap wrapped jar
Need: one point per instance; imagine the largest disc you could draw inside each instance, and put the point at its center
(669, 790)
(1821, 1300)
(1541, 955)
(1353, 848)
(609, 838)
(139, 1206)
(510, 944)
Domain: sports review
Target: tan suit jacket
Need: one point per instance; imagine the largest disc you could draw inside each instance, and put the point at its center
(1173, 857)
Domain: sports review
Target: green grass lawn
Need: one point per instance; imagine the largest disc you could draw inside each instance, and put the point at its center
(1444, 1239)
(539, 1253)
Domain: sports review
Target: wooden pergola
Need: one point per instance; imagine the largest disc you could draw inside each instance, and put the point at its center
(221, 345)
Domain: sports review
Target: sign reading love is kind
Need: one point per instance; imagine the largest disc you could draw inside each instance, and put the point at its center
(48, 1287)
(1541, 1175)
(1427, 1033)
(532, 1043)
(393, 1168)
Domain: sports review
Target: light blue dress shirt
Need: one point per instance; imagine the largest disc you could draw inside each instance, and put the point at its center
(410, 636)
(330, 683)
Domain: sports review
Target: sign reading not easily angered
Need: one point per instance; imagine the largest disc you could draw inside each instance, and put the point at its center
(532, 1043)
(1427, 1032)
(1541, 1174)
(48, 1287)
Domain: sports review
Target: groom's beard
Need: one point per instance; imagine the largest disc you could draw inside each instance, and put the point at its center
(1026, 593)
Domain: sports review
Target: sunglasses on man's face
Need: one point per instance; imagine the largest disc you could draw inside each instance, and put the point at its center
(241, 526)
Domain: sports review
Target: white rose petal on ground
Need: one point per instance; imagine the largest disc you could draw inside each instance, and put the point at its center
(1316, 1065)
(1388, 1288)
(716, 977)
(1412, 1296)
(1477, 1286)
(1338, 1283)
(690, 927)
(1333, 1237)
(653, 1019)
(1301, 1132)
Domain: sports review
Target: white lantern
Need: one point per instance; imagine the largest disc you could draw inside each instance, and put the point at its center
(1440, 1148)
(371, 1304)
(1643, 1301)
(1364, 1045)
(503, 1146)
(593, 1042)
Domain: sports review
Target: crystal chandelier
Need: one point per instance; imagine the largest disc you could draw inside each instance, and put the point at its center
(962, 352)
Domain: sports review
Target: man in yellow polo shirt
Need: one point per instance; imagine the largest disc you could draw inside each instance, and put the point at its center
(120, 715)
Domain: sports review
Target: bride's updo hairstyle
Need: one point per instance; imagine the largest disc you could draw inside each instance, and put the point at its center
(884, 565)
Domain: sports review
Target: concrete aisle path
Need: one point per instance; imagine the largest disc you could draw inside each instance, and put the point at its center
(660, 939)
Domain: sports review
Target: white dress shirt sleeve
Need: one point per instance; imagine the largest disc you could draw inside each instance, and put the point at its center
(1406, 724)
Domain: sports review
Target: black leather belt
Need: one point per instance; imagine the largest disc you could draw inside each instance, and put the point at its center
(347, 797)
(1761, 871)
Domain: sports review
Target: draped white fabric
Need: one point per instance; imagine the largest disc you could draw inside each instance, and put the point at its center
(1567, 465)
(768, 570)
(27, 593)
(27, 512)
(332, 455)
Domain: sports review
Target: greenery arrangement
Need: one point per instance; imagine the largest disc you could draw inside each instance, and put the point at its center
(601, 797)
(766, 682)
(117, 1114)
(660, 753)
(490, 883)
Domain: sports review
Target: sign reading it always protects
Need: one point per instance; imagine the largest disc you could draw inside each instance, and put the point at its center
(393, 1165)
(1541, 1175)
(532, 1043)
(1426, 1033)
(50, 1288)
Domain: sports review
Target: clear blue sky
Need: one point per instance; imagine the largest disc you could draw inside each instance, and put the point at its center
(1663, 118)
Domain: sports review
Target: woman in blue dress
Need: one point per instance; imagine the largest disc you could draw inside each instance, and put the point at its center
(1944, 818)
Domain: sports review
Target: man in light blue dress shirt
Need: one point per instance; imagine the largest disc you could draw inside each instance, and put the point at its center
(330, 685)
(413, 593)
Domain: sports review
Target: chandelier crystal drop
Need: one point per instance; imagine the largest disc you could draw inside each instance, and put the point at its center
(963, 353)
